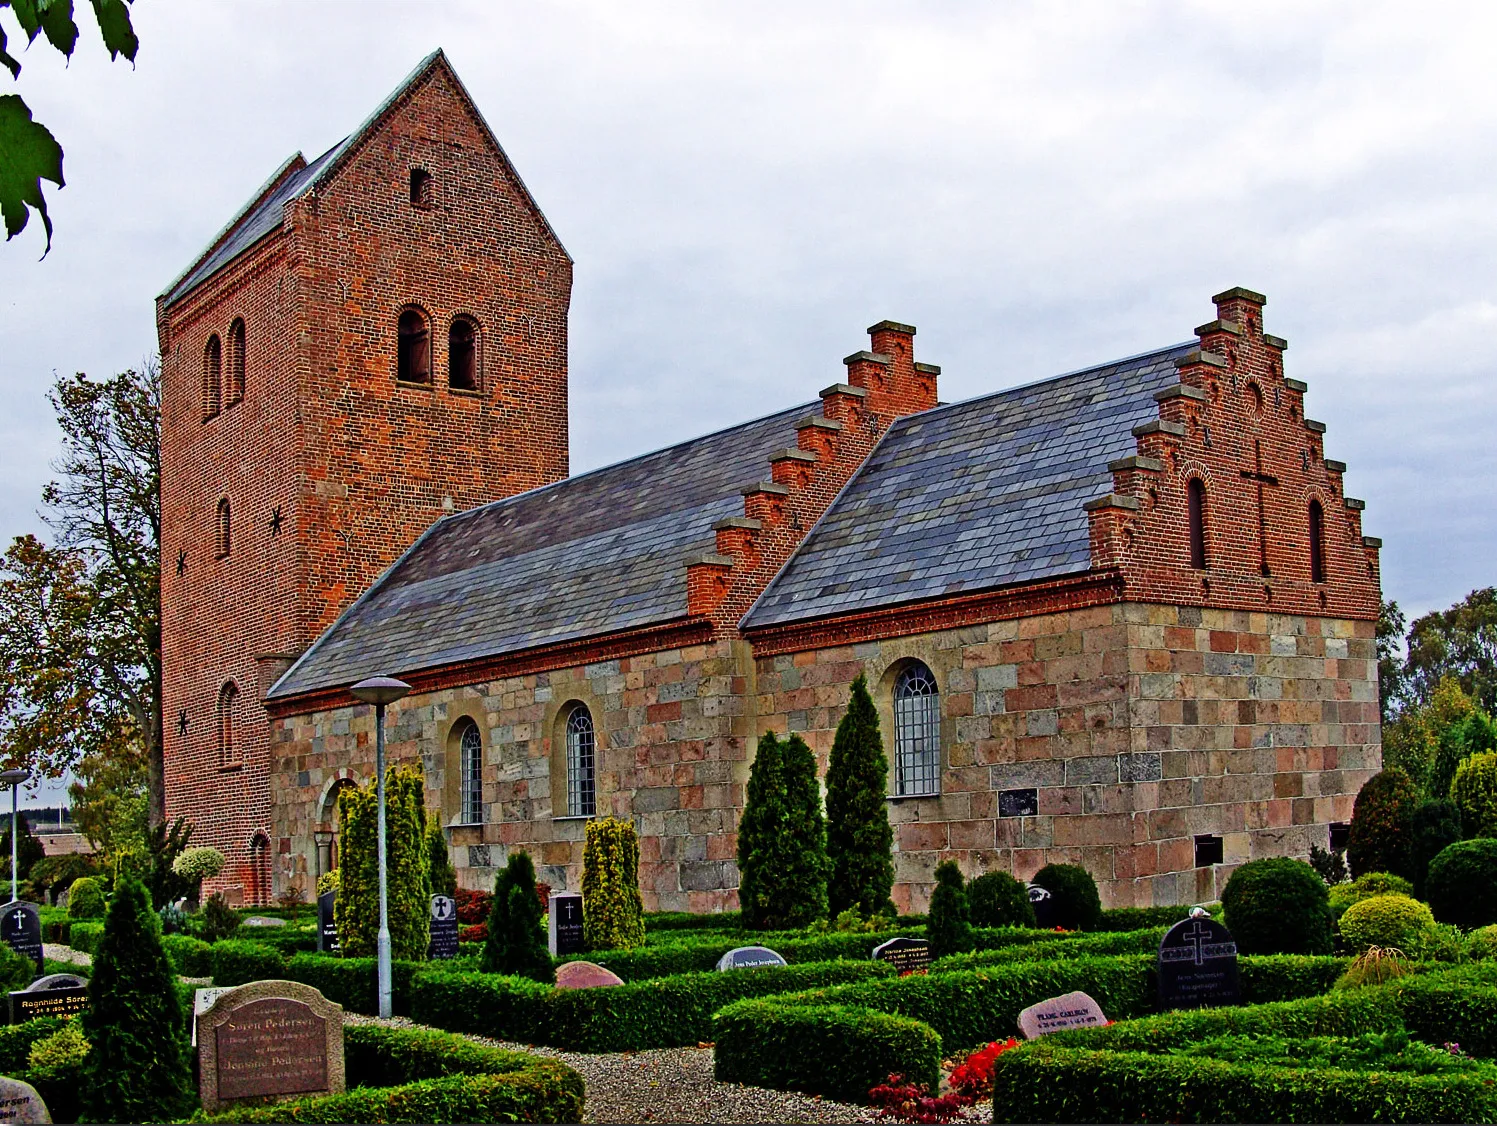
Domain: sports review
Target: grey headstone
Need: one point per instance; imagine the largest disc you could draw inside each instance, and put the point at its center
(263, 921)
(327, 928)
(564, 931)
(56, 995)
(1044, 906)
(19, 1102)
(1069, 1010)
(748, 957)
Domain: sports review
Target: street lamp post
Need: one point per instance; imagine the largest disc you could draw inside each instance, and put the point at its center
(379, 691)
(15, 777)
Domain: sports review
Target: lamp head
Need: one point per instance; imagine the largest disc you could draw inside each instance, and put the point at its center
(380, 690)
(15, 776)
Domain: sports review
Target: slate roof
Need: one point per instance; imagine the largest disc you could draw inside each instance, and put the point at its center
(976, 495)
(597, 553)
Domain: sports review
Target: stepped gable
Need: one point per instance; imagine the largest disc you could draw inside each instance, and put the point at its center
(973, 496)
(599, 553)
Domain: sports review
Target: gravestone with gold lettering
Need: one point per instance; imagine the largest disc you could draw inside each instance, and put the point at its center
(56, 995)
(269, 1040)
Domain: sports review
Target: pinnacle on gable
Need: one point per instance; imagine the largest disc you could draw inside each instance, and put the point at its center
(1199, 356)
(1180, 391)
(1275, 341)
(1219, 326)
(1159, 426)
(844, 389)
(1317, 427)
(891, 326)
(868, 358)
(1238, 293)
(1296, 385)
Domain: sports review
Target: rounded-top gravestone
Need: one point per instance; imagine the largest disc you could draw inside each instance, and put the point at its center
(56, 995)
(1197, 964)
(748, 957)
(269, 1039)
(907, 955)
(19, 1102)
(585, 975)
(1044, 906)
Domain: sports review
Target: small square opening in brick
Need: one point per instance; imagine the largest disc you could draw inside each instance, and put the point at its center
(1340, 835)
(1208, 850)
(1018, 803)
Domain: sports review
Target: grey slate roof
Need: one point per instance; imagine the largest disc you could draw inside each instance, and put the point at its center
(597, 553)
(972, 496)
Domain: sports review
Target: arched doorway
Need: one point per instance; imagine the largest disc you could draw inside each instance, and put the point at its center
(326, 833)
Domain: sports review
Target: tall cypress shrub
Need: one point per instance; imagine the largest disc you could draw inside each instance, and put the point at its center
(517, 943)
(408, 876)
(1382, 825)
(443, 875)
(782, 858)
(612, 910)
(137, 1067)
(859, 839)
(948, 927)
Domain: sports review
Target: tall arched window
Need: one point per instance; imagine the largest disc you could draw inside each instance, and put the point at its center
(470, 779)
(229, 751)
(917, 730)
(414, 361)
(462, 355)
(236, 361)
(1195, 493)
(258, 892)
(581, 764)
(221, 542)
(213, 358)
(1317, 542)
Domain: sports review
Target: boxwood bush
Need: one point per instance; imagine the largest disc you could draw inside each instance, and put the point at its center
(84, 935)
(1462, 883)
(1278, 906)
(190, 957)
(354, 982)
(1077, 906)
(234, 962)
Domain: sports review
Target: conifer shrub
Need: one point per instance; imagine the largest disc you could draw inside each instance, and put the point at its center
(1278, 906)
(612, 910)
(408, 887)
(859, 839)
(16, 970)
(782, 859)
(137, 1067)
(1474, 792)
(1382, 825)
(220, 921)
(1462, 883)
(516, 944)
(86, 898)
(1396, 921)
(949, 925)
(998, 900)
(1075, 902)
(1436, 826)
(443, 874)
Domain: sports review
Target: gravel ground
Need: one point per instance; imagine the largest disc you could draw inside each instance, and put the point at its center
(59, 953)
(676, 1085)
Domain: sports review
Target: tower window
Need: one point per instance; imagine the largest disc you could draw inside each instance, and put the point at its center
(462, 355)
(423, 188)
(471, 788)
(414, 361)
(1196, 502)
(582, 800)
(236, 361)
(1317, 542)
(221, 543)
(1208, 850)
(212, 377)
(229, 751)
(917, 730)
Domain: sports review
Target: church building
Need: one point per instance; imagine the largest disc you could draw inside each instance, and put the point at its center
(1123, 617)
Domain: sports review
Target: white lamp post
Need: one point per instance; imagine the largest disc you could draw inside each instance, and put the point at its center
(379, 691)
(15, 777)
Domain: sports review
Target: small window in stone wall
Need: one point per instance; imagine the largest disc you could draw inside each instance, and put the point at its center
(230, 753)
(213, 357)
(1317, 542)
(581, 764)
(1208, 850)
(471, 797)
(917, 731)
(221, 540)
(1018, 803)
(1196, 504)
(1340, 836)
(236, 362)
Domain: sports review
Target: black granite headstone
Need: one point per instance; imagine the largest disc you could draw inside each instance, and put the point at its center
(1197, 965)
(327, 928)
(564, 931)
(21, 928)
(748, 957)
(904, 954)
(56, 995)
(1044, 907)
(443, 927)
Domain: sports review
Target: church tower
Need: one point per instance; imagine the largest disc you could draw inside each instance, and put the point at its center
(378, 338)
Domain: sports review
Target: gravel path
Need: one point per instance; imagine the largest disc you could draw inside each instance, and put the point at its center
(60, 953)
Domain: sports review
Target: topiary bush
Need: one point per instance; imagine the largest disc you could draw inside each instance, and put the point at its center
(612, 910)
(782, 861)
(996, 899)
(1396, 921)
(1075, 902)
(516, 944)
(1462, 883)
(859, 839)
(1474, 792)
(1365, 886)
(408, 879)
(1278, 906)
(948, 927)
(1436, 826)
(86, 899)
(198, 863)
(1382, 825)
(443, 874)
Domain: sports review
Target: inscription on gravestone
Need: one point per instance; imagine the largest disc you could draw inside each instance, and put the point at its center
(56, 995)
(19, 1102)
(1069, 1010)
(21, 928)
(269, 1039)
(564, 931)
(1197, 965)
(904, 954)
(747, 957)
(443, 943)
(327, 929)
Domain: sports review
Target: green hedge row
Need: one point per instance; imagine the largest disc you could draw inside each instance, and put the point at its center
(233, 962)
(421, 1075)
(689, 921)
(354, 982)
(1142, 918)
(1080, 945)
(84, 935)
(660, 1013)
(190, 957)
(16, 1041)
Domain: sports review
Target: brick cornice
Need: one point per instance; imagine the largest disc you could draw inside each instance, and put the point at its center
(1095, 588)
(579, 651)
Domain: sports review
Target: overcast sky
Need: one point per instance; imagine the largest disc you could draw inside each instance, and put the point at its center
(746, 187)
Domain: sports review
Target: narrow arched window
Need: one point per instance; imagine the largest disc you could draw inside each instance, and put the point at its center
(462, 355)
(236, 361)
(258, 892)
(414, 362)
(1317, 542)
(917, 730)
(1195, 493)
(581, 764)
(221, 542)
(423, 188)
(471, 776)
(212, 377)
(229, 751)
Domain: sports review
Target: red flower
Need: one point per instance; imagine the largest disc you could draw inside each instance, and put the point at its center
(973, 1077)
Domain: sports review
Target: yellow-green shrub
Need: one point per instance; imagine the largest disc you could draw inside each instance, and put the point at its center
(1385, 920)
(612, 910)
(356, 908)
(1474, 792)
(1366, 886)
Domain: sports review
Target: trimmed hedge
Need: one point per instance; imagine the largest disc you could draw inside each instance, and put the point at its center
(690, 921)
(420, 1075)
(354, 982)
(84, 935)
(1075, 946)
(662, 1013)
(234, 962)
(1141, 918)
(190, 957)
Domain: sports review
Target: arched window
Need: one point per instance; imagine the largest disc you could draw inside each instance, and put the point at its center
(236, 362)
(258, 892)
(423, 188)
(462, 355)
(212, 377)
(581, 764)
(221, 542)
(470, 778)
(1196, 502)
(414, 362)
(917, 730)
(1317, 542)
(229, 751)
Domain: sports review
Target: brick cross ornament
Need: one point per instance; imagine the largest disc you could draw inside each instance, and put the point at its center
(1262, 478)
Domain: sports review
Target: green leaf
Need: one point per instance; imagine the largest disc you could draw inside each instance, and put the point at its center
(10, 62)
(57, 22)
(29, 154)
(29, 16)
(114, 25)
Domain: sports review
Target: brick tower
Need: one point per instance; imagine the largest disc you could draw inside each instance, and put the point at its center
(377, 338)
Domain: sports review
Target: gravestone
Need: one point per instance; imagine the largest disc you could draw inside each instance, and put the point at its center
(906, 955)
(202, 1001)
(56, 995)
(19, 1102)
(1070, 1010)
(21, 928)
(747, 957)
(1197, 964)
(327, 928)
(564, 931)
(1044, 907)
(263, 921)
(585, 975)
(443, 943)
(268, 1039)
